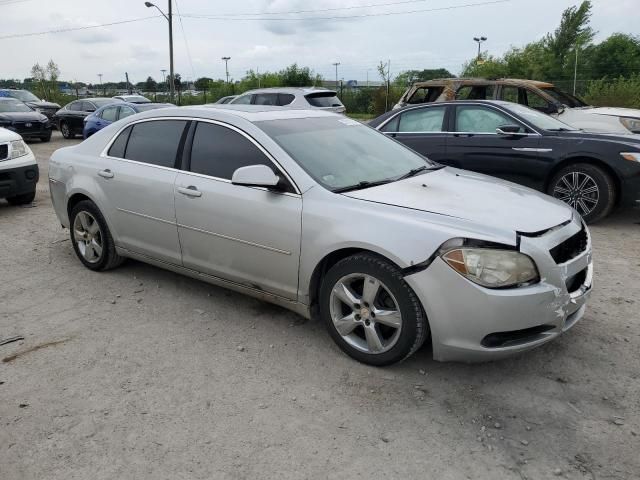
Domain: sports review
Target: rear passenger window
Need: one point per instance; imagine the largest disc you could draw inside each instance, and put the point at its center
(155, 142)
(285, 99)
(218, 151)
(425, 95)
(118, 146)
(422, 120)
(475, 92)
(266, 99)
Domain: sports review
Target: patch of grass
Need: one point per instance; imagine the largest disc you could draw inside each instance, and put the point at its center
(361, 116)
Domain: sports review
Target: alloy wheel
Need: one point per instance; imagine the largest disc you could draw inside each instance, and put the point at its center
(365, 313)
(88, 237)
(64, 129)
(578, 190)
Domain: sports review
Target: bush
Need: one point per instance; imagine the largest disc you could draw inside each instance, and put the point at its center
(621, 92)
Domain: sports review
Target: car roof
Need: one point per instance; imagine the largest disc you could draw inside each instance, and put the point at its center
(303, 90)
(483, 81)
(251, 113)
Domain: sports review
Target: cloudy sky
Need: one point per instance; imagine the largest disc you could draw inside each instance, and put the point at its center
(270, 34)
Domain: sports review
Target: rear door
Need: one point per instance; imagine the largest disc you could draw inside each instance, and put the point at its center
(247, 235)
(475, 145)
(138, 181)
(421, 129)
(75, 114)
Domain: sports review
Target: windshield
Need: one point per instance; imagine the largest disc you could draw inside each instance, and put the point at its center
(564, 97)
(11, 105)
(21, 95)
(340, 152)
(540, 120)
(101, 102)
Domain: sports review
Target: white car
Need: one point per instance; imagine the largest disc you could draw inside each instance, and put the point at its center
(292, 97)
(18, 169)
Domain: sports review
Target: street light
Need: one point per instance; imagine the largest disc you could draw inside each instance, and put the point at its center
(335, 64)
(100, 75)
(169, 19)
(479, 40)
(226, 67)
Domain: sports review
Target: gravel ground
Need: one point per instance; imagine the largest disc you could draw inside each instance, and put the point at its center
(140, 373)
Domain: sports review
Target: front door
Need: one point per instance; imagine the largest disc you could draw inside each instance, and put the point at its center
(138, 181)
(475, 145)
(246, 235)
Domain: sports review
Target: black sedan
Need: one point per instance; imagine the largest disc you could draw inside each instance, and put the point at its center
(591, 172)
(70, 118)
(24, 120)
(48, 109)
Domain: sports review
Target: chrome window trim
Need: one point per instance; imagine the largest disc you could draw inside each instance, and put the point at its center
(459, 103)
(104, 153)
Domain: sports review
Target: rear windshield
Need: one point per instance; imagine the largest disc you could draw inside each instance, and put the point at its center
(323, 99)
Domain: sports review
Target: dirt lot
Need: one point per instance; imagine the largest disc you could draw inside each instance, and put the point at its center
(146, 374)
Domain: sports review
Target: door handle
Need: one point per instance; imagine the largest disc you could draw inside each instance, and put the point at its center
(190, 191)
(106, 173)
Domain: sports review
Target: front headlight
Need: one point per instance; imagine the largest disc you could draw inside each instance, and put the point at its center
(631, 156)
(492, 268)
(19, 149)
(632, 124)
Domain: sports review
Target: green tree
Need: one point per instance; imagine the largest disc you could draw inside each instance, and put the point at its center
(150, 85)
(411, 76)
(618, 55)
(203, 83)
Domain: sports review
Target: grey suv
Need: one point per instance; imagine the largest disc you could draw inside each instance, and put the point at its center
(292, 97)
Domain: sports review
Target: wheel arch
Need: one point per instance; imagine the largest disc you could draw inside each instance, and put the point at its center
(589, 160)
(329, 261)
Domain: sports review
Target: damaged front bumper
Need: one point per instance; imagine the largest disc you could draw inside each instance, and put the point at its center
(472, 323)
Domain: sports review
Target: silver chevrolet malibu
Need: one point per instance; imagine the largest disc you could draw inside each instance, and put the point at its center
(329, 218)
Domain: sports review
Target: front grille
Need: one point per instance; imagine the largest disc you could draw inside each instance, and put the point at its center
(4, 151)
(22, 126)
(574, 283)
(571, 247)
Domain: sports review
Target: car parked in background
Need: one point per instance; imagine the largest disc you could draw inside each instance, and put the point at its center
(325, 216)
(589, 171)
(132, 98)
(223, 100)
(24, 120)
(292, 97)
(70, 118)
(541, 96)
(108, 114)
(48, 109)
(18, 169)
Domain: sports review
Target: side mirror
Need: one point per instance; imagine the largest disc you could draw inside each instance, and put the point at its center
(510, 130)
(555, 108)
(255, 176)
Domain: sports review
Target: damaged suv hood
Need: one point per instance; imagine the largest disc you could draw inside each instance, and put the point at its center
(473, 197)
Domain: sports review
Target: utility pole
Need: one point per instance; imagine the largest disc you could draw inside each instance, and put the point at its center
(368, 77)
(164, 79)
(258, 74)
(128, 84)
(226, 67)
(100, 76)
(575, 72)
(169, 18)
(479, 40)
(336, 65)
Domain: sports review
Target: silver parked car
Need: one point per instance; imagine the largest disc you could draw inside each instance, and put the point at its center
(328, 217)
(292, 97)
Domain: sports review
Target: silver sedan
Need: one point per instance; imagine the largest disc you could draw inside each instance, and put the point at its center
(329, 218)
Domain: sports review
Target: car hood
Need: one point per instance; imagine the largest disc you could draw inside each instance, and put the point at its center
(473, 197)
(23, 116)
(43, 104)
(8, 135)
(613, 111)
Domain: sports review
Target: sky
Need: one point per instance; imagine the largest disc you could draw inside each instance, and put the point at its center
(265, 35)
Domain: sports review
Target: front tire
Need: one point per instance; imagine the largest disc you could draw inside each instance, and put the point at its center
(46, 139)
(587, 188)
(91, 238)
(370, 311)
(65, 129)
(22, 199)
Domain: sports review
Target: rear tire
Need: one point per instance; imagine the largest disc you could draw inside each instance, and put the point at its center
(370, 311)
(22, 199)
(587, 188)
(91, 238)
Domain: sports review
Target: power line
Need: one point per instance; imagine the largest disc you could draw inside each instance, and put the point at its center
(352, 7)
(343, 17)
(186, 43)
(73, 29)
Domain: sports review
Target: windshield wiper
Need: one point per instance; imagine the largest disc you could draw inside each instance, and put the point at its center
(415, 171)
(362, 185)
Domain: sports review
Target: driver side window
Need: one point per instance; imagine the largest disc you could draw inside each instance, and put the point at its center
(477, 119)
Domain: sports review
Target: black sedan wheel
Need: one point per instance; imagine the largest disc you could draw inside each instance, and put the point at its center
(587, 188)
(66, 130)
